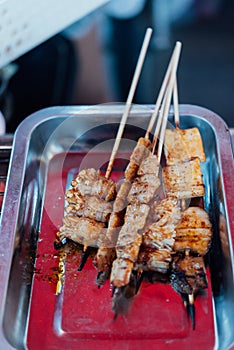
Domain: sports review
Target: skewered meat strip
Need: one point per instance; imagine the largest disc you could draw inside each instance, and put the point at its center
(130, 238)
(147, 181)
(120, 202)
(166, 212)
(128, 243)
(194, 231)
(159, 237)
(151, 259)
(107, 251)
(184, 180)
(165, 216)
(88, 210)
(139, 152)
(90, 182)
(81, 230)
(88, 206)
(121, 272)
(188, 274)
(183, 145)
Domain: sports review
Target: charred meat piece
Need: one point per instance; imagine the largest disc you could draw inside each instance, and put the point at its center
(103, 262)
(88, 209)
(149, 165)
(107, 251)
(136, 215)
(140, 151)
(90, 182)
(183, 145)
(81, 230)
(120, 202)
(130, 237)
(166, 212)
(144, 188)
(184, 180)
(151, 259)
(146, 183)
(159, 237)
(121, 272)
(194, 231)
(188, 274)
(88, 206)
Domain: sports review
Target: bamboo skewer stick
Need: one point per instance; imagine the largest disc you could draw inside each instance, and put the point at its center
(190, 303)
(191, 309)
(176, 105)
(162, 91)
(84, 257)
(167, 100)
(174, 60)
(129, 100)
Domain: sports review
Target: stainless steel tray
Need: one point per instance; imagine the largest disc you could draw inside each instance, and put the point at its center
(61, 130)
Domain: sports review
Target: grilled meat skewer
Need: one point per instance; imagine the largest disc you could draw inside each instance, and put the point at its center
(130, 235)
(89, 182)
(146, 191)
(140, 151)
(88, 209)
(107, 250)
(183, 179)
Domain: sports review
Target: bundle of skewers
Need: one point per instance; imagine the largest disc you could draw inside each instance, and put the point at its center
(145, 225)
(85, 220)
(183, 180)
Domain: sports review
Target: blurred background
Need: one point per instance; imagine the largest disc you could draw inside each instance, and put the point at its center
(93, 60)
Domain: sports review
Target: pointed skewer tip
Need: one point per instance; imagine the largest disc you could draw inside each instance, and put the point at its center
(191, 309)
(84, 258)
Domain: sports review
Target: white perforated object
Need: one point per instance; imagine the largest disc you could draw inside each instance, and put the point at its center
(26, 23)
